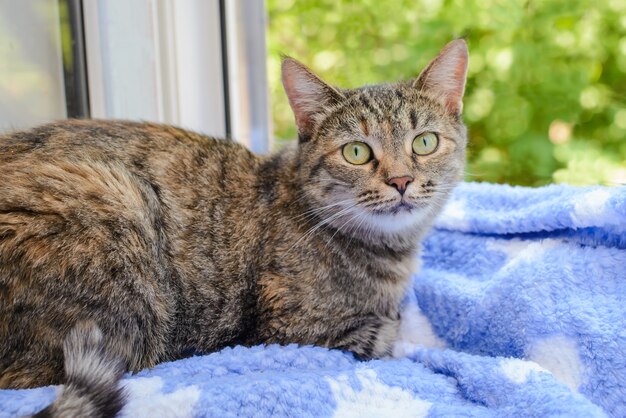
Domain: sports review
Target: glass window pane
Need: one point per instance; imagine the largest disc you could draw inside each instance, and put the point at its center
(31, 69)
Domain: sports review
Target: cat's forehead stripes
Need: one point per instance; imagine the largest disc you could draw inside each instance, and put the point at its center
(377, 104)
(369, 106)
(382, 114)
(364, 127)
(413, 116)
(381, 101)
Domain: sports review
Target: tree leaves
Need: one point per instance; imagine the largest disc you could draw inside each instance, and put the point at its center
(532, 63)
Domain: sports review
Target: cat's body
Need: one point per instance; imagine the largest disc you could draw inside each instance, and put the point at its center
(196, 237)
(168, 241)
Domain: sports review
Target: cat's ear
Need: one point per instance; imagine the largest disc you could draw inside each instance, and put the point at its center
(444, 78)
(308, 95)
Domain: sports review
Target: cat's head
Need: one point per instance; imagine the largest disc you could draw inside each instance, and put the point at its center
(383, 158)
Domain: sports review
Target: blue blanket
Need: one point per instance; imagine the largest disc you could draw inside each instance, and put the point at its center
(519, 310)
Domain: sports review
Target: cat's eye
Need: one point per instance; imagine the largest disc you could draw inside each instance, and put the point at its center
(425, 143)
(357, 153)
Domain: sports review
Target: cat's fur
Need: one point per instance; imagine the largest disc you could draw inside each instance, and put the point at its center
(140, 242)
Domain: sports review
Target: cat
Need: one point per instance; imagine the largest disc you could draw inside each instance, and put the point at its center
(126, 244)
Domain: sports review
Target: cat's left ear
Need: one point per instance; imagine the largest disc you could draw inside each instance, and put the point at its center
(445, 76)
(308, 95)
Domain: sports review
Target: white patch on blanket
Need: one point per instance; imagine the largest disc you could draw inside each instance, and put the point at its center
(374, 398)
(415, 330)
(145, 399)
(518, 250)
(518, 370)
(591, 207)
(453, 216)
(511, 247)
(559, 355)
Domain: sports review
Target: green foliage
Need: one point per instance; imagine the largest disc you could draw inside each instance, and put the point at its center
(546, 94)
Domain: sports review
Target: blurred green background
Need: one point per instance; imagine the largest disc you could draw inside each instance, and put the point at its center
(546, 94)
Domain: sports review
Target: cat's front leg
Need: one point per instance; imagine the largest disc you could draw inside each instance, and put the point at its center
(370, 337)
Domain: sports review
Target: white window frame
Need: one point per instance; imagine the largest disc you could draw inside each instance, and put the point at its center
(246, 25)
(199, 64)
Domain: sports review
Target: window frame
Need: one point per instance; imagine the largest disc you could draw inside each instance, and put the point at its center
(230, 72)
(75, 76)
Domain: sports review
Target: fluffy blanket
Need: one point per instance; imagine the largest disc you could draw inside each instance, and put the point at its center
(519, 310)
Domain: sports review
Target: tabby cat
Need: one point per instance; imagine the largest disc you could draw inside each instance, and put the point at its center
(126, 244)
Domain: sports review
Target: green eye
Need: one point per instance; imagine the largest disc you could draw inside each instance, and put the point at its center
(357, 153)
(425, 143)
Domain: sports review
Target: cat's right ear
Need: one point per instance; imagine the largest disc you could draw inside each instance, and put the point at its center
(308, 95)
(446, 75)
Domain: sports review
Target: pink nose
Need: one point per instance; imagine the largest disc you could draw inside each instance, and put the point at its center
(400, 183)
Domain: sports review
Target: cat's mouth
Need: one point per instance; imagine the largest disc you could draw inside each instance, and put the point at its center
(395, 216)
(402, 207)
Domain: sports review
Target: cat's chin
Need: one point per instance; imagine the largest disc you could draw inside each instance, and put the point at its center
(402, 219)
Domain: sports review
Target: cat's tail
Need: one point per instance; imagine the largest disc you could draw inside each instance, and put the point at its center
(91, 378)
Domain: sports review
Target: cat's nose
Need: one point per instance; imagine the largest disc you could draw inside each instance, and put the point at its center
(400, 183)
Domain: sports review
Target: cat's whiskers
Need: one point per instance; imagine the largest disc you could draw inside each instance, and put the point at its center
(441, 188)
(311, 231)
(355, 227)
(359, 217)
(378, 205)
(436, 197)
(369, 232)
(354, 216)
(323, 222)
(438, 201)
(445, 191)
(316, 211)
(471, 174)
(304, 195)
(312, 216)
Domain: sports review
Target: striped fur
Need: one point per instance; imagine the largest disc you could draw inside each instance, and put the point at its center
(91, 378)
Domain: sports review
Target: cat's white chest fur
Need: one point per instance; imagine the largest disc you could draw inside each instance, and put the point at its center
(396, 222)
